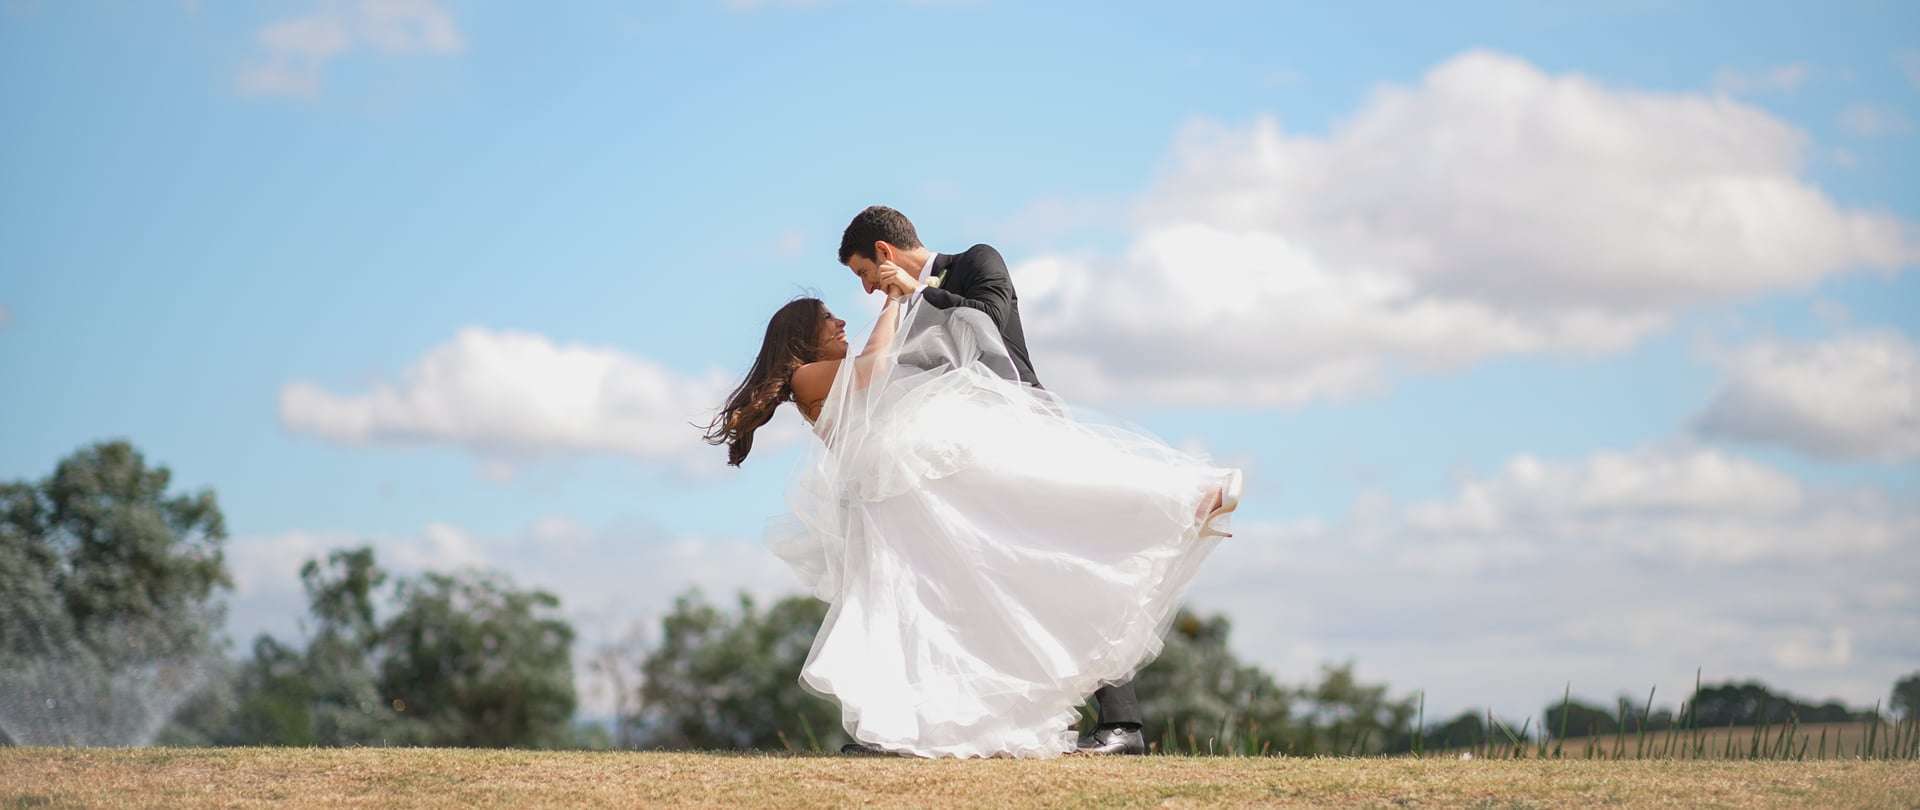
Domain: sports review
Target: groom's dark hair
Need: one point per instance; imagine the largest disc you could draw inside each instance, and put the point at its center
(876, 224)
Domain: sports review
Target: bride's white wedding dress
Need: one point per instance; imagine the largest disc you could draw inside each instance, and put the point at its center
(991, 557)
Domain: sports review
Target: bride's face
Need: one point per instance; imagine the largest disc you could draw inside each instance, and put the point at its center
(832, 337)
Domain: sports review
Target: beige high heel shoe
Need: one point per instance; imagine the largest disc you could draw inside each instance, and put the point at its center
(1229, 501)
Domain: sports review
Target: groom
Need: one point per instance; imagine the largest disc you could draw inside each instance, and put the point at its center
(880, 246)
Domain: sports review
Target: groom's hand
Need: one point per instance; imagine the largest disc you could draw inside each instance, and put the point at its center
(895, 281)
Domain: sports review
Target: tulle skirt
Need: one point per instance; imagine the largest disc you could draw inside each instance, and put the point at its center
(991, 557)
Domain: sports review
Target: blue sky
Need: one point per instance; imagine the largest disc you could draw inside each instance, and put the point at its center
(1578, 339)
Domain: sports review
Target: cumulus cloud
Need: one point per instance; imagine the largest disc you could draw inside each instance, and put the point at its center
(1852, 397)
(1676, 505)
(517, 396)
(1781, 78)
(1492, 210)
(299, 48)
(1621, 570)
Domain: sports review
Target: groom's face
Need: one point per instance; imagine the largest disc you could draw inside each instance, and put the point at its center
(868, 269)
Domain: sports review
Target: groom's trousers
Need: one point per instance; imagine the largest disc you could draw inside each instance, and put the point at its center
(1118, 704)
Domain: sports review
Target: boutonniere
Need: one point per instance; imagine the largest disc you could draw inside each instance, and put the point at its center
(935, 281)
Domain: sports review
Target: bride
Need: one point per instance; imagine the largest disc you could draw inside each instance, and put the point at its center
(991, 556)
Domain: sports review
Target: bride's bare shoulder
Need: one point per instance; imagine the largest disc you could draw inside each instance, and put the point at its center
(812, 381)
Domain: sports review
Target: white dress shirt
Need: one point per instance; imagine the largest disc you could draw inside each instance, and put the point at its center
(926, 270)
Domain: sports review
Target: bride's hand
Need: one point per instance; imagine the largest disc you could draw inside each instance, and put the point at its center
(895, 282)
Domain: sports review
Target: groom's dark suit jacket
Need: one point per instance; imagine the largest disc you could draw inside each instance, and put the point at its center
(978, 279)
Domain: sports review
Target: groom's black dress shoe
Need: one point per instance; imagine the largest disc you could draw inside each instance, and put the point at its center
(861, 750)
(1114, 740)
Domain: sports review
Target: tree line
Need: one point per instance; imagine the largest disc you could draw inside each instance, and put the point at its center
(112, 605)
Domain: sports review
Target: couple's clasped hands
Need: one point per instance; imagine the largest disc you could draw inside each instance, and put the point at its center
(891, 279)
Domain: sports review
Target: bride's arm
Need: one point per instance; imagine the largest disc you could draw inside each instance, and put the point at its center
(813, 381)
(879, 349)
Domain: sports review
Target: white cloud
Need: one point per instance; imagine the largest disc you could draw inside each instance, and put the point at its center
(1781, 78)
(1618, 571)
(299, 48)
(514, 397)
(1835, 649)
(1678, 505)
(1492, 210)
(1869, 120)
(1852, 397)
(441, 547)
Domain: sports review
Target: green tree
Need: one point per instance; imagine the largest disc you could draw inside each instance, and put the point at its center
(730, 679)
(465, 660)
(1342, 716)
(470, 661)
(1906, 696)
(1580, 720)
(1198, 692)
(110, 597)
(1746, 704)
(1467, 728)
(1198, 696)
(325, 694)
(335, 676)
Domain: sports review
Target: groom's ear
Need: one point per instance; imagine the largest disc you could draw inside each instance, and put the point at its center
(882, 252)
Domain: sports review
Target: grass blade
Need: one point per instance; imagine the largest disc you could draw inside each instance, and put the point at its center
(1693, 720)
(812, 742)
(1873, 732)
(1507, 732)
(1420, 732)
(1566, 700)
(1640, 736)
(1620, 729)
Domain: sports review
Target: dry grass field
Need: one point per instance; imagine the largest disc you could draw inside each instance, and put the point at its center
(1823, 741)
(466, 779)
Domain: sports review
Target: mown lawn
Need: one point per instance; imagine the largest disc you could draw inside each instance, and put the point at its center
(369, 777)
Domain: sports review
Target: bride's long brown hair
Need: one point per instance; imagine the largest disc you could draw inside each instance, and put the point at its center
(793, 340)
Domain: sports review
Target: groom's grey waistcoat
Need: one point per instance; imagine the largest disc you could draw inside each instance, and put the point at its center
(978, 279)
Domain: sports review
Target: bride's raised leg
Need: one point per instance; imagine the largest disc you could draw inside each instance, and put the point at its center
(1222, 503)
